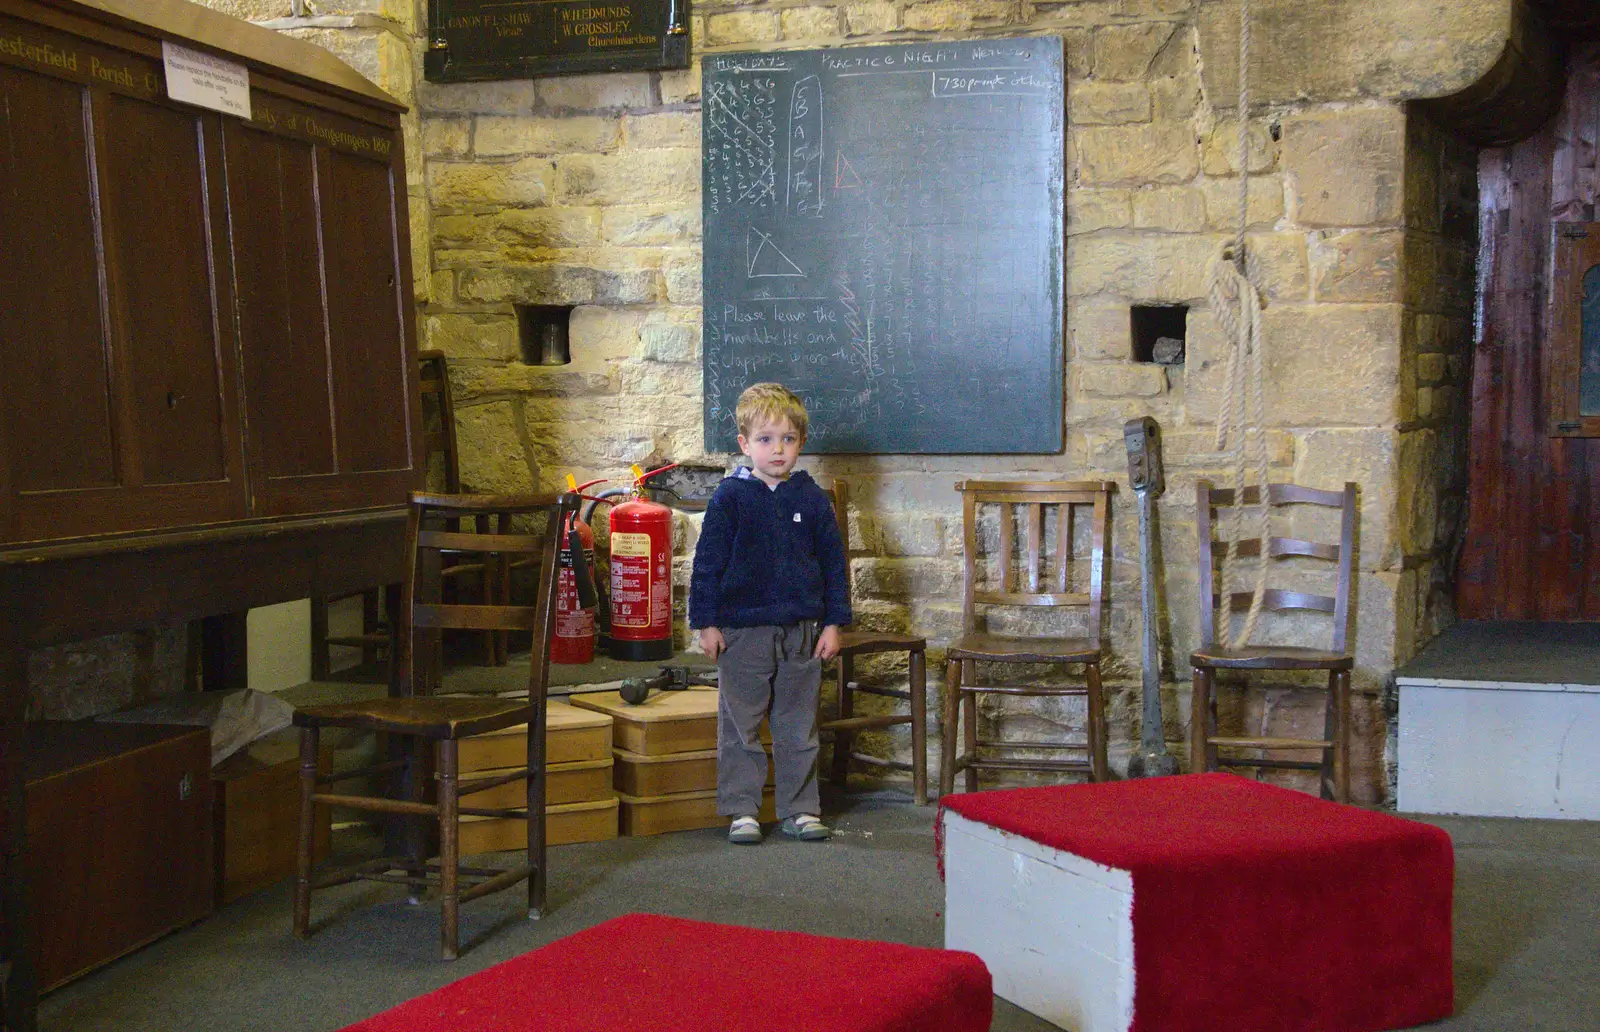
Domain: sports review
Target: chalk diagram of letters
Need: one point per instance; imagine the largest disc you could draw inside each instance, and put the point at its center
(763, 258)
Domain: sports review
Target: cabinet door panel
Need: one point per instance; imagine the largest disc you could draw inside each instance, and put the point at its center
(282, 332)
(57, 395)
(362, 269)
(157, 194)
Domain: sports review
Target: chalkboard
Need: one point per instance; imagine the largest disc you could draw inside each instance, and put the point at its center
(883, 235)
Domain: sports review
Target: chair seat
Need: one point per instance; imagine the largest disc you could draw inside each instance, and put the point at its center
(444, 716)
(1024, 650)
(1265, 657)
(862, 643)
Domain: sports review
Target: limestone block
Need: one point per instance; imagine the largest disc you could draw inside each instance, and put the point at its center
(486, 336)
(1346, 166)
(1367, 456)
(741, 27)
(682, 275)
(80, 679)
(549, 227)
(1155, 152)
(656, 380)
(446, 137)
(650, 225)
(470, 382)
(1108, 103)
(809, 23)
(251, 10)
(870, 18)
(419, 219)
(497, 135)
(681, 86)
(1089, 210)
(442, 286)
(669, 342)
(662, 129)
(505, 97)
(557, 284)
(1418, 491)
(1357, 265)
(1335, 364)
(1222, 203)
(1146, 268)
(1432, 367)
(1220, 152)
(1121, 379)
(1180, 209)
(958, 15)
(1278, 265)
(669, 175)
(906, 578)
(1100, 331)
(910, 534)
(1124, 52)
(476, 186)
(601, 337)
(1174, 98)
(381, 55)
(596, 92)
(1345, 49)
(494, 459)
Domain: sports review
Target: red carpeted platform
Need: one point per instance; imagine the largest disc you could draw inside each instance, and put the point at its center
(1255, 908)
(646, 973)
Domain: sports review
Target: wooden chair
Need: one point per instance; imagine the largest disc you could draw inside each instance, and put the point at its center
(1204, 741)
(415, 720)
(442, 466)
(1033, 587)
(844, 725)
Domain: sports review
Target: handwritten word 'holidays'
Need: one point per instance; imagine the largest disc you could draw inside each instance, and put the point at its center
(909, 58)
(752, 63)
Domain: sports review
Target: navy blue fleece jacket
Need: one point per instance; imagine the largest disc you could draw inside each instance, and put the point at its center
(768, 556)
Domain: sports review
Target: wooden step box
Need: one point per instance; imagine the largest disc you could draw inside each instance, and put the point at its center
(666, 722)
(256, 816)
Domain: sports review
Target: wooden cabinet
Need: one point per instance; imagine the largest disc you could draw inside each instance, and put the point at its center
(202, 319)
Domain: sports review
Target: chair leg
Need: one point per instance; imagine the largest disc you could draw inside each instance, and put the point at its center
(413, 775)
(1199, 714)
(449, 851)
(1099, 769)
(536, 822)
(842, 739)
(950, 709)
(321, 661)
(919, 729)
(1340, 685)
(969, 732)
(302, 861)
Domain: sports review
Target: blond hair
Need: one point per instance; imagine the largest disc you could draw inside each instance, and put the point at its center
(764, 403)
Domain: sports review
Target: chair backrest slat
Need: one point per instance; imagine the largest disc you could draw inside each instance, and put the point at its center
(467, 542)
(1208, 499)
(1033, 498)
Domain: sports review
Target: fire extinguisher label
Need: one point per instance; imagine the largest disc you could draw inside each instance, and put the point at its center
(572, 622)
(630, 580)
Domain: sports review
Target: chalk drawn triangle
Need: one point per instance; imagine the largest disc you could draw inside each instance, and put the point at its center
(844, 174)
(764, 258)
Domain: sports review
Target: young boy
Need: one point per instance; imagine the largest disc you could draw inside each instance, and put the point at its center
(768, 597)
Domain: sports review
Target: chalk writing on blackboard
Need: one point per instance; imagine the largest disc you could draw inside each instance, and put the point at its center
(883, 233)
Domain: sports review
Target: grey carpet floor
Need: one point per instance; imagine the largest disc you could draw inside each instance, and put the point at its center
(1527, 927)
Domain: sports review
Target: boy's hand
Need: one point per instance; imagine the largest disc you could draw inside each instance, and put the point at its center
(711, 641)
(828, 642)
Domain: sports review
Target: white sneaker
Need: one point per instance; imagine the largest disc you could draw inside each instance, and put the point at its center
(744, 831)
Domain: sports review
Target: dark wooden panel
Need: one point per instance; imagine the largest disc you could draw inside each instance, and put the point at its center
(1531, 550)
(282, 336)
(57, 394)
(156, 190)
(362, 266)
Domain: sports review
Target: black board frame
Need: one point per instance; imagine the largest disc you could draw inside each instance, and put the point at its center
(1023, 417)
(479, 40)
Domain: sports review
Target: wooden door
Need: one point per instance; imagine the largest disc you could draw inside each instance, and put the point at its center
(317, 217)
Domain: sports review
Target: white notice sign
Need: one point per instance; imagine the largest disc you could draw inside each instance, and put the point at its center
(206, 81)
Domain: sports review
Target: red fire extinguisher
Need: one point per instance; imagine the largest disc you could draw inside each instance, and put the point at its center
(574, 640)
(641, 576)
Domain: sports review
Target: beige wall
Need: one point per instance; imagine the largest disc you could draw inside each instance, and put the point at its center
(584, 190)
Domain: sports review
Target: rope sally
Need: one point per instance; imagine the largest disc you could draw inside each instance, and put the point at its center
(1241, 422)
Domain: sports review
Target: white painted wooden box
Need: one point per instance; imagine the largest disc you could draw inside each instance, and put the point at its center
(1056, 930)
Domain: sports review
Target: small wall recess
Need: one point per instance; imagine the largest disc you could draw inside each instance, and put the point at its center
(1160, 333)
(542, 334)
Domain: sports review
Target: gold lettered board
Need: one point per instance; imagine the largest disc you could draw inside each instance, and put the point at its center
(666, 722)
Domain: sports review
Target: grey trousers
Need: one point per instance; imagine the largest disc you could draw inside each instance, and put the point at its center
(768, 672)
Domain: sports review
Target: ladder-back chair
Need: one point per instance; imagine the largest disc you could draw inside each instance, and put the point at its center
(1043, 578)
(419, 720)
(1205, 742)
(843, 726)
